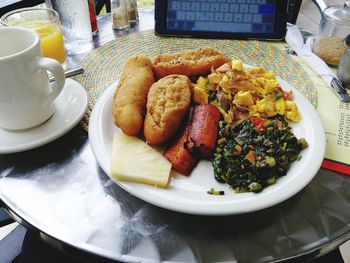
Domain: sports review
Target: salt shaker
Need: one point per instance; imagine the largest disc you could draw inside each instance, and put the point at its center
(120, 19)
(132, 11)
(343, 71)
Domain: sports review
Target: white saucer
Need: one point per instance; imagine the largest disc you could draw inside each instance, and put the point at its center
(70, 105)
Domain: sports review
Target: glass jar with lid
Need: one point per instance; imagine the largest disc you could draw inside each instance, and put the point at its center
(343, 71)
(334, 28)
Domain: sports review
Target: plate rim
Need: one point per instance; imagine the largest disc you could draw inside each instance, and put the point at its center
(100, 155)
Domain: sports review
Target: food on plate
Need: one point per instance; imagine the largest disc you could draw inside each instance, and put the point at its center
(135, 161)
(255, 144)
(189, 62)
(200, 95)
(241, 93)
(181, 159)
(203, 129)
(168, 101)
(250, 148)
(197, 140)
(129, 103)
(253, 154)
(212, 191)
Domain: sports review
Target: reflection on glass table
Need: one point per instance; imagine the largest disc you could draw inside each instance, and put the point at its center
(60, 191)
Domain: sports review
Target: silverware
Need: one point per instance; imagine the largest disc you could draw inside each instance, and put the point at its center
(339, 90)
(69, 73)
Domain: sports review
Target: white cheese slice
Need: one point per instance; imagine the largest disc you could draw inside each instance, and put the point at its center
(135, 161)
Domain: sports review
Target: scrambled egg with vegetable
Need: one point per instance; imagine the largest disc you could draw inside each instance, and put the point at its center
(241, 93)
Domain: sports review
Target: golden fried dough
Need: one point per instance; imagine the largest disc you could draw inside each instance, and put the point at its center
(167, 102)
(129, 103)
(189, 62)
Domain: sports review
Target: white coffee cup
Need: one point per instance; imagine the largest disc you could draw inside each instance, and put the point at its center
(26, 96)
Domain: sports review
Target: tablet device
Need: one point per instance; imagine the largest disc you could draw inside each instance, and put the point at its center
(235, 19)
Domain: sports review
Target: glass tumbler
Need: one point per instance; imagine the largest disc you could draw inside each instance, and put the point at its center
(46, 23)
(334, 27)
(75, 18)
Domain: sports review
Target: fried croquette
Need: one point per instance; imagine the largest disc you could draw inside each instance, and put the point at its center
(129, 103)
(168, 101)
(189, 62)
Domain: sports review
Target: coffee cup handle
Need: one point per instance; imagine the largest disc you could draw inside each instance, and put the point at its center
(56, 69)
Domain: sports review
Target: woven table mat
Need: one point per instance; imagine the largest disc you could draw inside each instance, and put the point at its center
(104, 64)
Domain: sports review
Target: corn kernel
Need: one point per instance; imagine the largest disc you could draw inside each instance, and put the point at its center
(292, 112)
(270, 84)
(261, 90)
(266, 106)
(261, 81)
(214, 78)
(290, 105)
(280, 106)
(269, 75)
(271, 113)
(261, 105)
(200, 95)
(252, 109)
(243, 98)
(293, 116)
(237, 65)
(201, 81)
(252, 80)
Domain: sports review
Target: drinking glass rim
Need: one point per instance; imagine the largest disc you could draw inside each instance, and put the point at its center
(25, 9)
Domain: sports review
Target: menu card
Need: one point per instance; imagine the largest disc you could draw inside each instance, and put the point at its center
(335, 116)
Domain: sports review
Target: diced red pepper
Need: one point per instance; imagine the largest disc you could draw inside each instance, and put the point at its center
(258, 123)
(250, 156)
(286, 95)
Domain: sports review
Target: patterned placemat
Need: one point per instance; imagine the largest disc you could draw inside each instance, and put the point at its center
(104, 65)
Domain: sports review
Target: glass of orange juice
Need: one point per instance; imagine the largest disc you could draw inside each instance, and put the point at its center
(46, 23)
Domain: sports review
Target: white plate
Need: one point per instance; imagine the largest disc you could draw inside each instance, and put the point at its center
(189, 194)
(70, 106)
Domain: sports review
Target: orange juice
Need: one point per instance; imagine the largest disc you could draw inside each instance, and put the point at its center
(51, 39)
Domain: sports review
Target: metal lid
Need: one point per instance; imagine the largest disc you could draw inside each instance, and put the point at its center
(340, 13)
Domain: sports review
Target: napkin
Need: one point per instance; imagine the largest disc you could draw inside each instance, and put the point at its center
(296, 41)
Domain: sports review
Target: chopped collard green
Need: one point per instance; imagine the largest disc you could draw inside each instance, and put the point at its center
(212, 191)
(254, 153)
